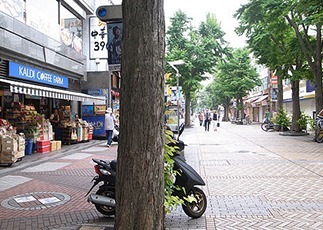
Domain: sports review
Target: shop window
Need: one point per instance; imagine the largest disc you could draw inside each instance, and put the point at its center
(14, 8)
(71, 29)
(43, 16)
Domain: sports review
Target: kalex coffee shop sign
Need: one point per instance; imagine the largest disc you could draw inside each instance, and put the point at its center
(32, 74)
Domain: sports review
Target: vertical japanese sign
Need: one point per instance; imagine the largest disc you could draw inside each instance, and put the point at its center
(98, 39)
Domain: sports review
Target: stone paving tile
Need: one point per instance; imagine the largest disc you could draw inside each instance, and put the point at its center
(7, 182)
(76, 156)
(49, 166)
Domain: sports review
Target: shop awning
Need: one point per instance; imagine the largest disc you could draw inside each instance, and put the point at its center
(252, 99)
(260, 99)
(35, 90)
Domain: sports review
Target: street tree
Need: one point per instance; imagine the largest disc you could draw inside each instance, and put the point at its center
(217, 94)
(200, 48)
(273, 42)
(305, 17)
(139, 182)
(237, 77)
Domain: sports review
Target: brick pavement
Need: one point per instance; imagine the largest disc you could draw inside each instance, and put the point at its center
(255, 180)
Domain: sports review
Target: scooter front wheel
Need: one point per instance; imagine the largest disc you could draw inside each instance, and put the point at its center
(196, 208)
(103, 209)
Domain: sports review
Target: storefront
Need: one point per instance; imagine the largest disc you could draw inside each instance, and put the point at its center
(29, 96)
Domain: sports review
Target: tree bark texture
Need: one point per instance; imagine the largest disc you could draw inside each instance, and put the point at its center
(296, 106)
(318, 71)
(188, 110)
(280, 94)
(140, 168)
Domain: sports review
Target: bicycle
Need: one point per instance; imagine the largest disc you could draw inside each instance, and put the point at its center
(267, 125)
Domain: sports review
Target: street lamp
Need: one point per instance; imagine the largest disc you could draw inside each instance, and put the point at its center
(173, 64)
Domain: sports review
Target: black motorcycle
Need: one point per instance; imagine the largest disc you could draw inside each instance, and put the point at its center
(104, 198)
(188, 178)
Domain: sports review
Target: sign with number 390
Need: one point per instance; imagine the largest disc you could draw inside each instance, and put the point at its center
(98, 39)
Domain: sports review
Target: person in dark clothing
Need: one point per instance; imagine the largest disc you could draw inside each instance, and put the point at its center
(207, 120)
(54, 120)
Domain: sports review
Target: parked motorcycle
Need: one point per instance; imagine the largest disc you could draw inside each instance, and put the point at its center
(319, 127)
(104, 198)
(188, 178)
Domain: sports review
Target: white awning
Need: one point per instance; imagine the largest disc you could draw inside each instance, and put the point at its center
(260, 99)
(35, 90)
(252, 99)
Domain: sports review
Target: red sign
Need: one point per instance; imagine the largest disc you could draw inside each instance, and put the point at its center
(274, 80)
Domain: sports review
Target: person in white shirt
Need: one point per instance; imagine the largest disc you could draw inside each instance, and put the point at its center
(109, 122)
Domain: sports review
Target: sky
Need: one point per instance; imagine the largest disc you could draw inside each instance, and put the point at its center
(198, 9)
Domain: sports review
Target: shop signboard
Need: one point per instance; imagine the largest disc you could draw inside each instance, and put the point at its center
(98, 39)
(114, 30)
(36, 75)
(94, 115)
(97, 123)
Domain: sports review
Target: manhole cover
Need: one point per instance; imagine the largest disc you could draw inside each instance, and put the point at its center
(35, 200)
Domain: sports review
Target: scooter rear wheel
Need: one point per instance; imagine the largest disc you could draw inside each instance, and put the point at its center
(103, 209)
(195, 209)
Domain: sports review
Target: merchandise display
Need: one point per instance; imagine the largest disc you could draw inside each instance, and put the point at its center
(25, 131)
(74, 131)
(12, 144)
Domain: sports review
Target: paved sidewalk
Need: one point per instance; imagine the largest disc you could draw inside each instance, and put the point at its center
(255, 180)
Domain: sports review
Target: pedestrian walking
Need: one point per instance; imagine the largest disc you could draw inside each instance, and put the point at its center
(109, 122)
(267, 116)
(201, 117)
(207, 120)
(54, 120)
(215, 120)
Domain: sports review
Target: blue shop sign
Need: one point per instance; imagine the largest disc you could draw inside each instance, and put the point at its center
(97, 123)
(32, 74)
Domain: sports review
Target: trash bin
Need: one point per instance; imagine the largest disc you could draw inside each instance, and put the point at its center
(29, 146)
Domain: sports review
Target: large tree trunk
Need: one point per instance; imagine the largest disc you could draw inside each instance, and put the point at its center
(318, 71)
(139, 185)
(280, 94)
(296, 105)
(314, 59)
(188, 110)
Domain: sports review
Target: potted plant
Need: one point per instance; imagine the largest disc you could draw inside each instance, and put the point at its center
(281, 120)
(303, 121)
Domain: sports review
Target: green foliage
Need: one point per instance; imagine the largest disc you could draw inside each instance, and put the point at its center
(312, 124)
(170, 201)
(234, 78)
(281, 118)
(303, 121)
(201, 49)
